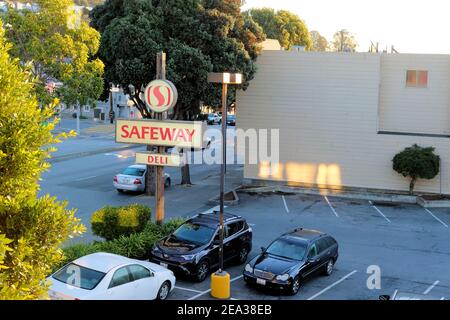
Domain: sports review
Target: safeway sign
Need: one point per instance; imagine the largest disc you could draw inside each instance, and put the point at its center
(182, 134)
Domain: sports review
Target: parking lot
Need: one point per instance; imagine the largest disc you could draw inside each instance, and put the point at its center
(409, 245)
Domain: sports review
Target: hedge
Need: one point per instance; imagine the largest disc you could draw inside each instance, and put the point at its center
(135, 246)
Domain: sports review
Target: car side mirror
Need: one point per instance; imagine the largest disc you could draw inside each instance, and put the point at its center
(263, 249)
(384, 297)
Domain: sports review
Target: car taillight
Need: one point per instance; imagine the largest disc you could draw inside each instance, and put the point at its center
(115, 179)
(137, 181)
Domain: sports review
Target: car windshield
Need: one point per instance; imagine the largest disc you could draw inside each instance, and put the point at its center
(232, 117)
(79, 277)
(288, 249)
(134, 172)
(194, 233)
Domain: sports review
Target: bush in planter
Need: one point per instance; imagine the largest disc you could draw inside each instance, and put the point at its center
(112, 222)
(417, 162)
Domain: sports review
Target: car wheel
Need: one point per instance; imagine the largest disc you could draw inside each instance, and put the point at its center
(164, 291)
(202, 270)
(295, 286)
(167, 184)
(120, 191)
(242, 255)
(329, 267)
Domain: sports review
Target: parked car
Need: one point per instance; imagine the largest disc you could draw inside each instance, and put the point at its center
(133, 179)
(292, 258)
(193, 249)
(214, 118)
(399, 295)
(231, 120)
(105, 276)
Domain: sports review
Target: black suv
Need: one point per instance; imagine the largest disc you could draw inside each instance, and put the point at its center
(291, 258)
(193, 248)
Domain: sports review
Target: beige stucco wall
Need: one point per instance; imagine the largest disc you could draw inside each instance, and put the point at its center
(327, 108)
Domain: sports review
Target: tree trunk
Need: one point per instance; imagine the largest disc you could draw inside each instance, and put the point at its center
(150, 182)
(411, 186)
(185, 175)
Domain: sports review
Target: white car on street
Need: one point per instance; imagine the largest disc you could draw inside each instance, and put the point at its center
(105, 276)
(133, 179)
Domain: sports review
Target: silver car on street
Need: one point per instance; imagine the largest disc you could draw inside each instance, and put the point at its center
(133, 179)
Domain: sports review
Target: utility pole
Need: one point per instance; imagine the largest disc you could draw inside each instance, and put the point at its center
(159, 194)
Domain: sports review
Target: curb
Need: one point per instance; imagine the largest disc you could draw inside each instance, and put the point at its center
(90, 153)
(393, 198)
(234, 202)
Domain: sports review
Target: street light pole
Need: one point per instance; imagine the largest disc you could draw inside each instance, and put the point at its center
(220, 281)
(222, 171)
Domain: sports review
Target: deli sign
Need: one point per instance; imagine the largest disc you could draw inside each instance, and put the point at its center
(155, 159)
(182, 134)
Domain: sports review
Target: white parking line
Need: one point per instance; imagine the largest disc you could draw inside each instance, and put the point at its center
(285, 204)
(439, 220)
(431, 287)
(331, 207)
(186, 289)
(87, 178)
(379, 211)
(332, 285)
(443, 298)
(209, 290)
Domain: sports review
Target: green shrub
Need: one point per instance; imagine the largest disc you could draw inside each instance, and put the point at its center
(113, 222)
(136, 246)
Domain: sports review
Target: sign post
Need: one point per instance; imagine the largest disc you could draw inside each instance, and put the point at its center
(220, 281)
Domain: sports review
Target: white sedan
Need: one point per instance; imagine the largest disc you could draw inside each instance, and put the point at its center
(133, 179)
(105, 276)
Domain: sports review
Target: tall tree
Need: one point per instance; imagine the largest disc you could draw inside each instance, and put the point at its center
(282, 25)
(344, 41)
(60, 46)
(319, 42)
(32, 229)
(199, 36)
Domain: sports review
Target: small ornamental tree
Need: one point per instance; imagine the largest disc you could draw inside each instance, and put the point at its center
(32, 228)
(417, 163)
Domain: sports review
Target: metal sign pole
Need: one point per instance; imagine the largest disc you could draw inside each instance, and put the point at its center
(222, 172)
(159, 194)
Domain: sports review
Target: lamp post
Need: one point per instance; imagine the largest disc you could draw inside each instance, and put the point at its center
(220, 281)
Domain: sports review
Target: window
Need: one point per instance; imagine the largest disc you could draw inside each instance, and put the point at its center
(139, 272)
(233, 228)
(313, 251)
(417, 78)
(323, 245)
(79, 276)
(120, 277)
(86, 108)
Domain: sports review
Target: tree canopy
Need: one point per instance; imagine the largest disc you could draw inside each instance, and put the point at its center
(32, 229)
(344, 41)
(282, 25)
(60, 47)
(417, 163)
(199, 36)
(319, 42)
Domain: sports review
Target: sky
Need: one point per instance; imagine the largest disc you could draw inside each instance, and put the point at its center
(411, 26)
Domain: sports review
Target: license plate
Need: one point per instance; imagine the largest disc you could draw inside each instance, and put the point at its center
(261, 282)
(162, 264)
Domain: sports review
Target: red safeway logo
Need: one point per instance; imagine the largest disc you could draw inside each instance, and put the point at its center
(161, 95)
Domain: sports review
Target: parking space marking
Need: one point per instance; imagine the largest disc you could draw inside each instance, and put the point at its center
(86, 178)
(285, 204)
(332, 285)
(431, 287)
(187, 289)
(443, 298)
(209, 290)
(379, 211)
(213, 209)
(331, 206)
(434, 216)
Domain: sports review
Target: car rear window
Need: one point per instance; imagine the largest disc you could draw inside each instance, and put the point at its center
(194, 233)
(78, 276)
(134, 172)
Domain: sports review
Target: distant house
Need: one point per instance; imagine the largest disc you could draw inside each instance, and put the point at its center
(343, 116)
(271, 44)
